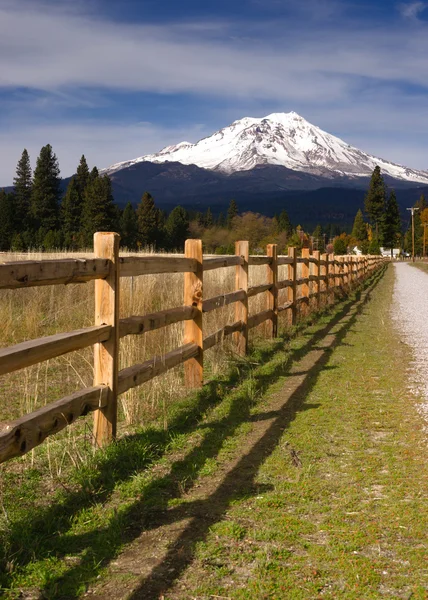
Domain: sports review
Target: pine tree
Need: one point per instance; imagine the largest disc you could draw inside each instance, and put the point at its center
(6, 221)
(22, 183)
(208, 218)
(177, 227)
(359, 230)
(83, 176)
(284, 223)
(45, 195)
(99, 211)
(318, 239)
(232, 212)
(375, 199)
(391, 226)
(128, 227)
(221, 221)
(148, 218)
(71, 215)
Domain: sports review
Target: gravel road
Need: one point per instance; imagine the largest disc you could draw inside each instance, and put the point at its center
(410, 313)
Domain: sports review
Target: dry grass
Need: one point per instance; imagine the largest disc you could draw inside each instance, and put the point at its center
(36, 312)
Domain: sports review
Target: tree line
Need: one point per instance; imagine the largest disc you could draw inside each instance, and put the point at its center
(38, 214)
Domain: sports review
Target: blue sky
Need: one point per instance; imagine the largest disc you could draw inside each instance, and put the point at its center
(118, 79)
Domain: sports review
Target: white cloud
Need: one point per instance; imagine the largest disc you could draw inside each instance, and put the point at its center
(413, 9)
(102, 143)
(350, 78)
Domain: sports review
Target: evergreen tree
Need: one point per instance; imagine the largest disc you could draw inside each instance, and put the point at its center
(221, 221)
(148, 218)
(232, 212)
(391, 229)
(45, 195)
(6, 220)
(129, 227)
(177, 227)
(208, 218)
(71, 215)
(99, 211)
(318, 237)
(374, 246)
(359, 230)
(339, 246)
(22, 183)
(375, 199)
(83, 176)
(284, 223)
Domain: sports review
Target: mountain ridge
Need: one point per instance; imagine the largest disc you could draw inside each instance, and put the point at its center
(280, 139)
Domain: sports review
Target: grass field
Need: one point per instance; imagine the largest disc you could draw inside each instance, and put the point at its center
(36, 483)
(329, 497)
(423, 266)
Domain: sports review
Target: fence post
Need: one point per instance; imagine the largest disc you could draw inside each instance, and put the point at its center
(324, 274)
(347, 279)
(316, 272)
(106, 354)
(292, 289)
(337, 261)
(241, 307)
(272, 294)
(305, 274)
(193, 295)
(331, 279)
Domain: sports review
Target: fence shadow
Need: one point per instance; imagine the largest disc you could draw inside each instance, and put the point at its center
(98, 547)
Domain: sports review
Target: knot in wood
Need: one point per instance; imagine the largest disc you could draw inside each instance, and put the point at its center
(197, 293)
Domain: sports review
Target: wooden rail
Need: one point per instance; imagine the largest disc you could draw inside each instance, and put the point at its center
(313, 281)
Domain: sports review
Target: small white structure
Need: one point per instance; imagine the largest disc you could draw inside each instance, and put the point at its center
(387, 252)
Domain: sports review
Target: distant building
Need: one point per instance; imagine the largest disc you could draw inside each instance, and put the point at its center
(387, 252)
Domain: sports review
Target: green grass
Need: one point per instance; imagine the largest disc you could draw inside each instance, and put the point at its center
(351, 522)
(422, 266)
(268, 529)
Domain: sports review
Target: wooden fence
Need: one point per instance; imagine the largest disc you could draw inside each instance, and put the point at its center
(320, 276)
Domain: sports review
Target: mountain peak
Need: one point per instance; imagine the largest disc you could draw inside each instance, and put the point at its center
(281, 139)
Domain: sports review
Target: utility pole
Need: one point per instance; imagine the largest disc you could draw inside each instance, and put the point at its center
(424, 225)
(413, 210)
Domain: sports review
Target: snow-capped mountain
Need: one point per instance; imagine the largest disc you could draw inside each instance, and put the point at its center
(280, 139)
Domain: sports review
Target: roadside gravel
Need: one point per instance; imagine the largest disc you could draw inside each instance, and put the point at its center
(410, 313)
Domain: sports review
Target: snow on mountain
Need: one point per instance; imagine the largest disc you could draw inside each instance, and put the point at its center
(284, 139)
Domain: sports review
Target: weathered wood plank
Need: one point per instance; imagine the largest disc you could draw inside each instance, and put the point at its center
(259, 289)
(131, 266)
(259, 318)
(222, 300)
(302, 281)
(285, 306)
(222, 261)
(141, 373)
(29, 273)
(285, 260)
(32, 352)
(137, 325)
(217, 336)
(259, 260)
(285, 283)
(22, 435)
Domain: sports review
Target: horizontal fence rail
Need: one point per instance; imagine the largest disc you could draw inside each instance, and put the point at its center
(320, 280)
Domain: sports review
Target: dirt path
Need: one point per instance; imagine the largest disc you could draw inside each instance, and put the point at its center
(151, 567)
(410, 313)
